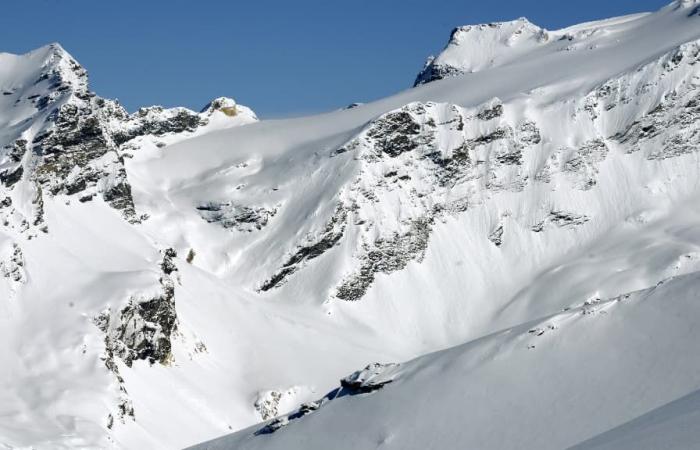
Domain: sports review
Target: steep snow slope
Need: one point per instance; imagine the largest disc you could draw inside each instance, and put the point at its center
(547, 384)
(395, 180)
(671, 426)
(171, 276)
(474, 48)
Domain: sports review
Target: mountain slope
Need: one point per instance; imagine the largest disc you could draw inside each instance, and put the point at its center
(171, 276)
(524, 387)
(671, 426)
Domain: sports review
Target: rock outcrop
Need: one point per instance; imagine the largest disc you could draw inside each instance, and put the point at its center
(75, 143)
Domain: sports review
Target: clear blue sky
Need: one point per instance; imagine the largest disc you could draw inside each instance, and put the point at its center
(279, 57)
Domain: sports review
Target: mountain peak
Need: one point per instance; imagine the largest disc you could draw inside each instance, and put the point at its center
(60, 69)
(685, 3)
(473, 48)
(56, 49)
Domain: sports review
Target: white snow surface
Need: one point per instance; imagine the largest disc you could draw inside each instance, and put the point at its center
(531, 229)
(671, 426)
(546, 384)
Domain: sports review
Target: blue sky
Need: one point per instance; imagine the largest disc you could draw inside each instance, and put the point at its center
(281, 58)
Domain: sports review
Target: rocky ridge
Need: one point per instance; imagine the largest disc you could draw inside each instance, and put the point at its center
(74, 143)
(426, 161)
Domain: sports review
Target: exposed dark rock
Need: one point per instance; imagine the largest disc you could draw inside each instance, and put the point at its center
(119, 196)
(433, 71)
(9, 177)
(17, 150)
(159, 125)
(273, 426)
(225, 105)
(498, 134)
(370, 379)
(393, 133)
(667, 131)
(38, 202)
(168, 265)
(267, 405)
(386, 256)
(12, 266)
(561, 219)
(239, 217)
(125, 408)
(333, 232)
(86, 198)
(529, 134)
(585, 162)
(143, 329)
(410, 135)
(496, 236)
(491, 113)
(77, 152)
(514, 158)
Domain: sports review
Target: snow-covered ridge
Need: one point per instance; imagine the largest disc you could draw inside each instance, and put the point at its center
(473, 48)
(426, 161)
(61, 138)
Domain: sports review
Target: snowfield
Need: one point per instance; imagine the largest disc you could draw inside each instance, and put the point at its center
(544, 384)
(505, 256)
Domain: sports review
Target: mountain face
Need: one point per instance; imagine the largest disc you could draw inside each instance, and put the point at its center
(521, 227)
(474, 48)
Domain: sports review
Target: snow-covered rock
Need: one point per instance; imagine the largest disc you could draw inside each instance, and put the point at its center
(473, 48)
(66, 140)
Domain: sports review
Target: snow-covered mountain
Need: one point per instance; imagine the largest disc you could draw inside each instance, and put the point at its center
(473, 48)
(521, 226)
